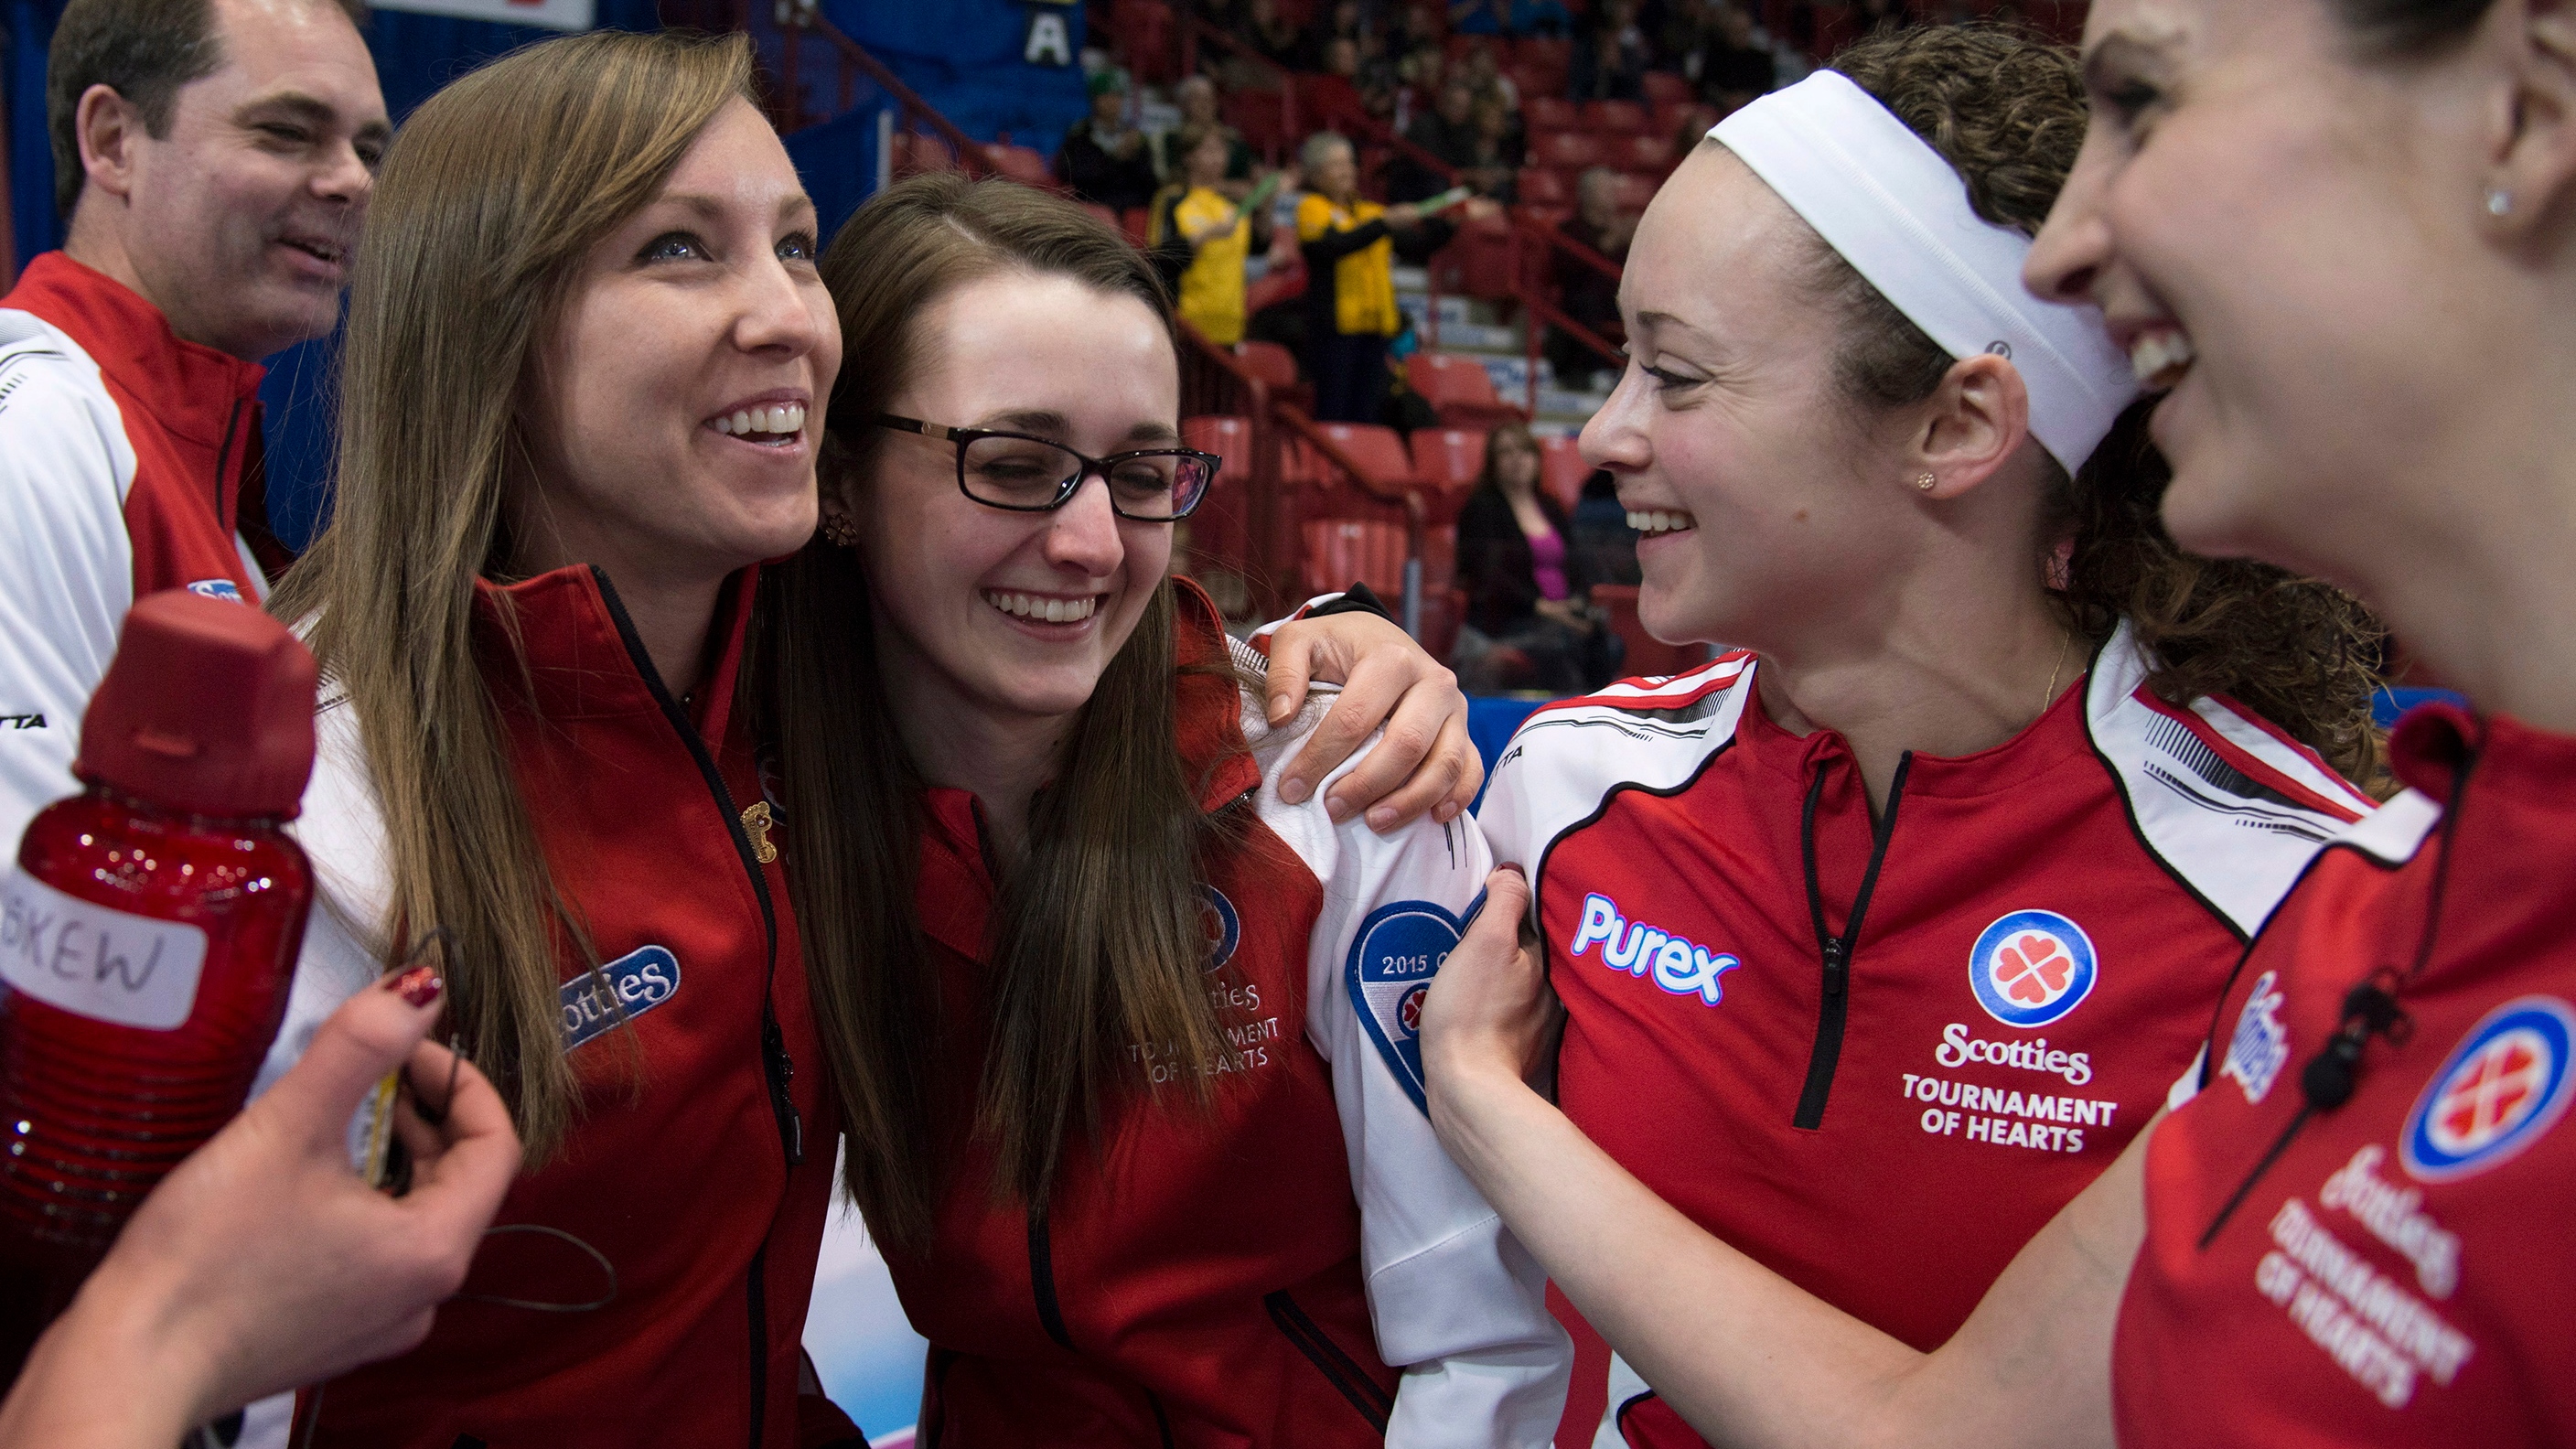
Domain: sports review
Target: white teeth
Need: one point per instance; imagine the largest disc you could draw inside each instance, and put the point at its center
(784, 421)
(1653, 521)
(2161, 358)
(1042, 610)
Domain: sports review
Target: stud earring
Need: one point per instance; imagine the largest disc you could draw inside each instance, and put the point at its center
(2499, 202)
(1926, 482)
(841, 529)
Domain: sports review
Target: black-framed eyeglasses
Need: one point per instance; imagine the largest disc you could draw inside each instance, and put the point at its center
(1037, 475)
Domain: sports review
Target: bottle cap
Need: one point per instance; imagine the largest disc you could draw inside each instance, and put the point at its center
(207, 709)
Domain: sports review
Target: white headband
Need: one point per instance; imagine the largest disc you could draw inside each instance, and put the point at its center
(1883, 198)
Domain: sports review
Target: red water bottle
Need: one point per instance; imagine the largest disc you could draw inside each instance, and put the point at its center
(150, 932)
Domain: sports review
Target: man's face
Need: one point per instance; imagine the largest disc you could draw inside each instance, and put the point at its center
(240, 223)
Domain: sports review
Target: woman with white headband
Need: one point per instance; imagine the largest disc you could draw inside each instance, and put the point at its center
(1880, 940)
(2338, 234)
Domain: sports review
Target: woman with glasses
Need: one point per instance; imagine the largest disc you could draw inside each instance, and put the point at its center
(1122, 1039)
(532, 605)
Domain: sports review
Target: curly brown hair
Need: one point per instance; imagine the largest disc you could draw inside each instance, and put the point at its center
(2007, 110)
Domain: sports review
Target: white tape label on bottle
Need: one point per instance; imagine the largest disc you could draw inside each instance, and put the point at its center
(93, 961)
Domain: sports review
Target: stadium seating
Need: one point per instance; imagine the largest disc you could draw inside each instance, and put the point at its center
(1565, 150)
(1618, 116)
(1646, 653)
(1459, 390)
(1663, 87)
(1544, 186)
(1377, 451)
(1019, 163)
(1644, 152)
(1550, 113)
(1449, 459)
(1561, 470)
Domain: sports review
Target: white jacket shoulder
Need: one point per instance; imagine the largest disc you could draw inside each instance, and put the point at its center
(2232, 806)
(1648, 734)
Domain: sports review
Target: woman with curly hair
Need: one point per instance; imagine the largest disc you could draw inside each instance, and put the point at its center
(1881, 939)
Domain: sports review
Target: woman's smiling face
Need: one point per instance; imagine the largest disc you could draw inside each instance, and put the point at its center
(2282, 234)
(1016, 615)
(1764, 496)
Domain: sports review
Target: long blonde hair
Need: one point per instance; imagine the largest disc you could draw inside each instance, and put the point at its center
(489, 203)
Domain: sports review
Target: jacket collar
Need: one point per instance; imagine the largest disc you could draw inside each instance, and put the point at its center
(584, 659)
(188, 388)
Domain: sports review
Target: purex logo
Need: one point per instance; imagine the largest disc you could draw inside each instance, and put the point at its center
(1679, 966)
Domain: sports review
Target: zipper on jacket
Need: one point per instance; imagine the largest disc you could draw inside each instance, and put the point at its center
(1836, 951)
(782, 1070)
(1042, 1279)
(758, 1293)
(776, 1066)
(1338, 1368)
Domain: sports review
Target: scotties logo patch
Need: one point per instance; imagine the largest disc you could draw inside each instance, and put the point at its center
(2501, 1088)
(2031, 967)
(1220, 924)
(1399, 948)
(637, 981)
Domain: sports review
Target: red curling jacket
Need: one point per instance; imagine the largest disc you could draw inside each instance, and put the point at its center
(127, 459)
(2400, 1273)
(700, 1166)
(1877, 1055)
(1303, 1268)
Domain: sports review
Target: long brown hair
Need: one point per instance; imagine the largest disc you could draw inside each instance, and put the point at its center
(490, 199)
(1094, 944)
(2007, 110)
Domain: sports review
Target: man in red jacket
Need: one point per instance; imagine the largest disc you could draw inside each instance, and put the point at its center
(212, 159)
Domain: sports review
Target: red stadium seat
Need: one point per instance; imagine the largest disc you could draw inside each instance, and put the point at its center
(1449, 459)
(1138, 223)
(1544, 186)
(1561, 470)
(1339, 550)
(1459, 389)
(1644, 151)
(1145, 30)
(1564, 150)
(1550, 113)
(1544, 50)
(1664, 87)
(1646, 653)
(1478, 262)
(1546, 217)
(1257, 115)
(1020, 164)
(1540, 81)
(1228, 438)
(1621, 116)
(1220, 530)
(1268, 361)
(1377, 451)
(1108, 218)
(915, 154)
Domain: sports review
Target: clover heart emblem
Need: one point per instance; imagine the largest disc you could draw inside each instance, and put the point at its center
(2033, 968)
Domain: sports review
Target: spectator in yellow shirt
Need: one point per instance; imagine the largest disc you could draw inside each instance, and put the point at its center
(1350, 282)
(1206, 235)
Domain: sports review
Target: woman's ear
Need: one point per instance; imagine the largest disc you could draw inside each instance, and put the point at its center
(1973, 424)
(2531, 138)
